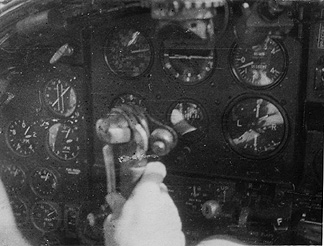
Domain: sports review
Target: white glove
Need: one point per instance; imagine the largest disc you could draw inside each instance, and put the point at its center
(9, 233)
(148, 218)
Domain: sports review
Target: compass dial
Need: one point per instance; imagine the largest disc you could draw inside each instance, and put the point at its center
(259, 66)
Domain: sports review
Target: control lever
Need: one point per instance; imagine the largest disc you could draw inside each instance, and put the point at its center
(137, 136)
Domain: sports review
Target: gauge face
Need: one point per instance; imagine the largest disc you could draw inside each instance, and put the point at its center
(255, 127)
(188, 65)
(43, 182)
(20, 210)
(129, 99)
(13, 177)
(60, 97)
(21, 137)
(259, 66)
(193, 114)
(45, 216)
(128, 53)
(63, 141)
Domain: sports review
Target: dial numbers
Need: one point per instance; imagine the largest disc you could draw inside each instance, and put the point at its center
(60, 97)
(45, 216)
(256, 127)
(128, 53)
(43, 182)
(21, 137)
(63, 141)
(259, 66)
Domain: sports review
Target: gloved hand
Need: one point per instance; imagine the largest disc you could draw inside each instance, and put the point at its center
(9, 233)
(148, 218)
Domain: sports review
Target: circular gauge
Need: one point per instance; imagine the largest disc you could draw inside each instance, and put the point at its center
(189, 65)
(43, 182)
(259, 66)
(60, 97)
(46, 216)
(187, 116)
(63, 141)
(20, 210)
(13, 177)
(21, 137)
(128, 53)
(256, 127)
(130, 99)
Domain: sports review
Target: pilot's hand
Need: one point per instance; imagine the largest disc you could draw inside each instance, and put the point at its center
(9, 233)
(148, 218)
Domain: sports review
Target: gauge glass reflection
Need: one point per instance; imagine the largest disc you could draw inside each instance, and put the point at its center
(259, 66)
(43, 182)
(63, 141)
(256, 127)
(13, 177)
(60, 97)
(45, 216)
(193, 114)
(21, 137)
(128, 53)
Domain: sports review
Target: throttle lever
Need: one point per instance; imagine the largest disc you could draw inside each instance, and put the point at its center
(135, 133)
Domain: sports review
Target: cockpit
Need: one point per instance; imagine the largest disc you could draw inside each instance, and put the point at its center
(229, 95)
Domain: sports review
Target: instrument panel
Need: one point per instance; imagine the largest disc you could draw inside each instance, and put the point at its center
(240, 100)
(239, 159)
(43, 145)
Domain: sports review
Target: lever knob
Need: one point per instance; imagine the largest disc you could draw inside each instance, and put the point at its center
(211, 209)
(162, 141)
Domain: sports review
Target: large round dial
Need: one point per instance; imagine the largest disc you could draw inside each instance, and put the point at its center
(128, 53)
(21, 137)
(45, 216)
(13, 177)
(189, 65)
(20, 210)
(63, 141)
(60, 97)
(43, 182)
(259, 66)
(255, 127)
